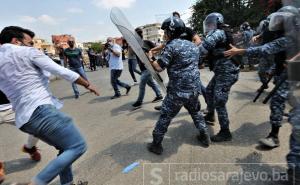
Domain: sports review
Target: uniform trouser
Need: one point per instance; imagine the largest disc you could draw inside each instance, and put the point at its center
(263, 68)
(81, 72)
(115, 82)
(278, 100)
(146, 79)
(170, 108)
(203, 91)
(8, 117)
(293, 158)
(217, 94)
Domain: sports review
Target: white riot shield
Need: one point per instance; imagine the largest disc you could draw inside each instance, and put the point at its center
(135, 42)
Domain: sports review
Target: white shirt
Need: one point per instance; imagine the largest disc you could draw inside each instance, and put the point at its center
(5, 107)
(114, 61)
(24, 79)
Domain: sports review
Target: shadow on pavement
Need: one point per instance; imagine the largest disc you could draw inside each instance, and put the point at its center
(244, 136)
(100, 99)
(257, 172)
(114, 159)
(17, 165)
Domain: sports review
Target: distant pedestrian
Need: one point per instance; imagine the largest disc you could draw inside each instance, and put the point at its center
(116, 66)
(73, 57)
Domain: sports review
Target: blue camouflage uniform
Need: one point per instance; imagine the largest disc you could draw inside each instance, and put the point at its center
(180, 58)
(278, 48)
(293, 158)
(226, 74)
(265, 66)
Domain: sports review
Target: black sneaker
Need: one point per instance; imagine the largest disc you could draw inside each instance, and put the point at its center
(157, 99)
(223, 135)
(115, 96)
(127, 90)
(155, 148)
(210, 118)
(157, 108)
(76, 96)
(137, 104)
(204, 138)
(270, 141)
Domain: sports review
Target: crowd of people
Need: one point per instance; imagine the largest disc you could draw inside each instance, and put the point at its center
(25, 71)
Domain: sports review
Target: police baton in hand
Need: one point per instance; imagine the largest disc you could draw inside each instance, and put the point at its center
(262, 88)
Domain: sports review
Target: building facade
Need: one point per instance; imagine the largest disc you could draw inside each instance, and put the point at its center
(153, 32)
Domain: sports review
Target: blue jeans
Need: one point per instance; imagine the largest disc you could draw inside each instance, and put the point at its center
(146, 78)
(56, 129)
(81, 72)
(132, 68)
(115, 82)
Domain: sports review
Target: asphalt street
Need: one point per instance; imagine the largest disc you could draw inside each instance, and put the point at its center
(117, 137)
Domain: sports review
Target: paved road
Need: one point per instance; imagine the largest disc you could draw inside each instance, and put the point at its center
(116, 137)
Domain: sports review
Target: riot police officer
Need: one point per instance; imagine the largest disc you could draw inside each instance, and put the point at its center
(283, 42)
(180, 57)
(226, 72)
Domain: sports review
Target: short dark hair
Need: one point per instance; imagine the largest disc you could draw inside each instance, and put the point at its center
(139, 31)
(10, 32)
(176, 14)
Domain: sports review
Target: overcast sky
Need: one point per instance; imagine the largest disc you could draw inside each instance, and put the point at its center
(87, 20)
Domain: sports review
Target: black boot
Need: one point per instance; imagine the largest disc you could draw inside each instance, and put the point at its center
(155, 148)
(210, 118)
(223, 135)
(204, 138)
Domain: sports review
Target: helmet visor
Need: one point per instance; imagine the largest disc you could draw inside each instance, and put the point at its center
(209, 24)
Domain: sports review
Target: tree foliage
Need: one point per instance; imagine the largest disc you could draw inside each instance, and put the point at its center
(97, 47)
(235, 12)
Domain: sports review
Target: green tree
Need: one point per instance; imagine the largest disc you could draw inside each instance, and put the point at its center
(97, 47)
(235, 12)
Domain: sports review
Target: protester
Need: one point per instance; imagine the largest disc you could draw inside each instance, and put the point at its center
(116, 66)
(92, 58)
(73, 57)
(61, 56)
(36, 109)
(132, 62)
(146, 77)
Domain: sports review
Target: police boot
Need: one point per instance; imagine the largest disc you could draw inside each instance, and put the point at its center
(155, 146)
(272, 140)
(204, 138)
(223, 135)
(210, 118)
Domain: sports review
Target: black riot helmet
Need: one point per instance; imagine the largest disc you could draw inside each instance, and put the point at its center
(212, 22)
(280, 20)
(173, 27)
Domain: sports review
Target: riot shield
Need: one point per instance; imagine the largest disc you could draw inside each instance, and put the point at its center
(135, 42)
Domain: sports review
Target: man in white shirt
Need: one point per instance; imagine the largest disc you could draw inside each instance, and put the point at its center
(24, 77)
(116, 66)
